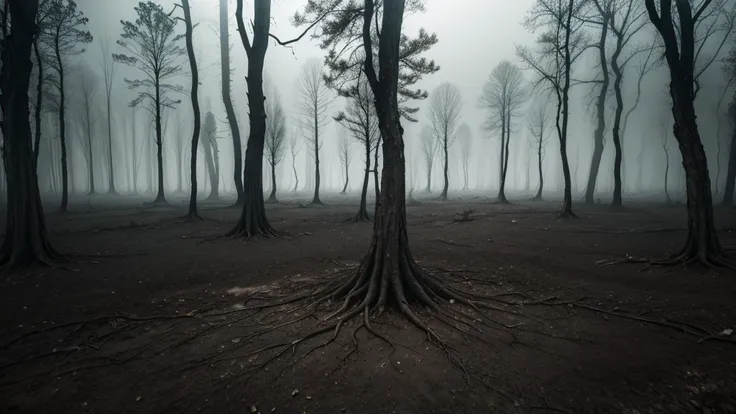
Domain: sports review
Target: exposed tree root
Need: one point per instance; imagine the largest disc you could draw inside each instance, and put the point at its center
(566, 214)
(691, 254)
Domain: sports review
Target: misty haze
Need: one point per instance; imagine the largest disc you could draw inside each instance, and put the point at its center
(368, 206)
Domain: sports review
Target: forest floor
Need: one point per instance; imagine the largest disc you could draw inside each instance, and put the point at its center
(150, 315)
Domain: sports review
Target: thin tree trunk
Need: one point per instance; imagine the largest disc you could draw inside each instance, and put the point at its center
(362, 209)
(347, 178)
(445, 167)
(89, 147)
(315, 199)
(539, 157)
(227, 100)
(160, 198)
(62, 130)
(731, 174)
(296, 176)
(111, 176)
(376, 185)
(595, 162)
(501, 198)
(666, 173)
(272, 196)
(210, 162)
(192, 214)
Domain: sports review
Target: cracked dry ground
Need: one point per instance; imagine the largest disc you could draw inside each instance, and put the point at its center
(160, 321)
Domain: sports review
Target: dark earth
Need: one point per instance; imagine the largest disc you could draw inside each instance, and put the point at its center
(152, 314)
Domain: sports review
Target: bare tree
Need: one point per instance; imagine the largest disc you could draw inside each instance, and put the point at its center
(152, 47)
(429, 151)
(665, 131)
(466, 144)
(503, 95)
(109, 70)
(25, 239)
(65, 29)
(315, 98)
(208, 140)
(360, 119)
(275, 135)
(558, 49)
(676, 25)
(345, 153)
(85, 82)
(444, 115)
(538, 123)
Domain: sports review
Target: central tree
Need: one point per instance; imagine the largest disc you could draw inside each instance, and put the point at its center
(444, 114)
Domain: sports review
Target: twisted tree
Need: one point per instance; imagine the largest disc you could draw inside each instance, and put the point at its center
(152, 47)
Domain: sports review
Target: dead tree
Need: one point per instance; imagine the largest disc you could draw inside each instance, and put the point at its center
(275, 135)
(227, 100)
(345, 153)
(152, 47)
(559, 48)
(429, 151)
(702, 244)
(361, 120)
(86, 85)
(25, 239)
(315, 100)
(109, 70)
(537, 124)
(444, 115)
(466, 144)
(503, 95)
(666, 122)
(65, 29)
(208, 140)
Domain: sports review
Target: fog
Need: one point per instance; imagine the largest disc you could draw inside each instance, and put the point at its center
(473, 36)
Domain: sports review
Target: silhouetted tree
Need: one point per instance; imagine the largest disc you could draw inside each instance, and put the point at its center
(345, 153)
(537, 124)
(227, 100)
(152, 47)
(361, 120)
(429, 150)
(294, 149)
(559, 47)
(25, 238)
(444, 115)
(503, 95)
(64, 28)
(86, 84)
(315, 98)
(275, 135)
(109, 70)
(466, 144)
(676, 24)
(208, 139)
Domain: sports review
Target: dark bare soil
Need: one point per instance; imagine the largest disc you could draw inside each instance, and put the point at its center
(151, 315)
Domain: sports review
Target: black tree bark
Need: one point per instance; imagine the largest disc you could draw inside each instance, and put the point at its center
(39, 102)
(595, 162)
(192, 214)
(227, 100)
(62, 128)
(25, 239)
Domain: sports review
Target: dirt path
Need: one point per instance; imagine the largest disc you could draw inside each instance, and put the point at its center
(559, 356)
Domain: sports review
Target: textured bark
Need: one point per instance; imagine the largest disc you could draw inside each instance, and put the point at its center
(362, 208)
(25, 240)
(39, 102)
(227, 100)
(160, 197)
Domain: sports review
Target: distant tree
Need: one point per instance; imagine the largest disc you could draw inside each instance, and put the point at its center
(345, 153)
(64, 28)
(208, 139)
(665, 131)
(25, 239)
(466, 144)
(294, 149)
(503, 95)
(227, 100)
(109, 70)
(86, 83)
(559, 47)
(444, 115)
(429, 150)
(152, 47)
(275, 135)
(192, 213)
(676, 25)
(315, 97)
(538, 123)
(360, 119)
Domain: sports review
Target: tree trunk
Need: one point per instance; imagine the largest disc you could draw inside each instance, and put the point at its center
(296, 176)
(111, 176)
(272, 196)
(62, 130)
(347, 178)
(227, 100)
(160, 198)
(731, 174)
(502, 161)
(192, 213)
(210, 162)
(25, 239)
(362, 209)
(445, 167)
(617, 201)
(376, 185)
(429, 177)
(39, 103)
(89, 148)
(315, 199)
(666, 174)
(539, 158)
(253, 221)
(595, 162)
